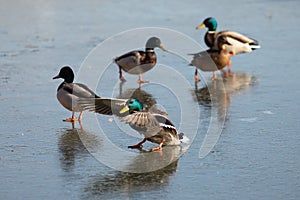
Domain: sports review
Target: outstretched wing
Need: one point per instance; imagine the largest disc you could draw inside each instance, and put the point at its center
(140, 119)
(143, 122)
(105, 106)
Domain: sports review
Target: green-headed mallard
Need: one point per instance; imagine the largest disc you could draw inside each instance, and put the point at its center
(155, 127)
(239, 43)
(69, 92)
(138, 62)
(212, 59)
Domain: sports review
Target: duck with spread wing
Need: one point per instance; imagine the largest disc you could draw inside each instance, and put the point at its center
(153, 125)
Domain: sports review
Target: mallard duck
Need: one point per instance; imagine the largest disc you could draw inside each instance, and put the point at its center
(69, 92)
(138, 62)
(212, 59)
(239, 43)
(155, 127)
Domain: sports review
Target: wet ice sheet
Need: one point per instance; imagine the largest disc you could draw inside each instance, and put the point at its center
(41, 157)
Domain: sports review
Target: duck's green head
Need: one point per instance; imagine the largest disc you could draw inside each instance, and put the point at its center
(210, 23)
(153, 43)
(133, 105)
(66, 73)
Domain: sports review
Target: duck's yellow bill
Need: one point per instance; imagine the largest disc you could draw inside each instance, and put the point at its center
(200, 26)
(162, 47)
(125, 109)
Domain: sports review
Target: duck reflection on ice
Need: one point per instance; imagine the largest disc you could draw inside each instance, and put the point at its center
(105, 185)
(144, 97)
(217, 93)
(152, 161)
(71, 146)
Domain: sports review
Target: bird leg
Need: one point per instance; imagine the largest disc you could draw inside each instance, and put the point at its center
(141, 79)
(80, 116)
(227, 73)
(214, 76)
(228, 66)
(196, 77)
(159, 147)
(138, 145)
(120, 75)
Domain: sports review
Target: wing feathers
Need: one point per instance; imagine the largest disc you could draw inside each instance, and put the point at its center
(102, 106)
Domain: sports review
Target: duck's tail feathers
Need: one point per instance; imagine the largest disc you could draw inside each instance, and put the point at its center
(183, 138)
(254, 45)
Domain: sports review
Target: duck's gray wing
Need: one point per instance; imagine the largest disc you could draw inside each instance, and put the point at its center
(105, 106)
(239, 42)
(237, 36)
(129, 60)
(79, 90)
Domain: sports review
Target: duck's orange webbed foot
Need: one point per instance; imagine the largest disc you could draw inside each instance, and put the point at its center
(71, 119)
(159, 147)
(141, 80)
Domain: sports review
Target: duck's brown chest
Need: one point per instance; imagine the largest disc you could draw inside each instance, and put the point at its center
(221, 59)
(149, 58)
